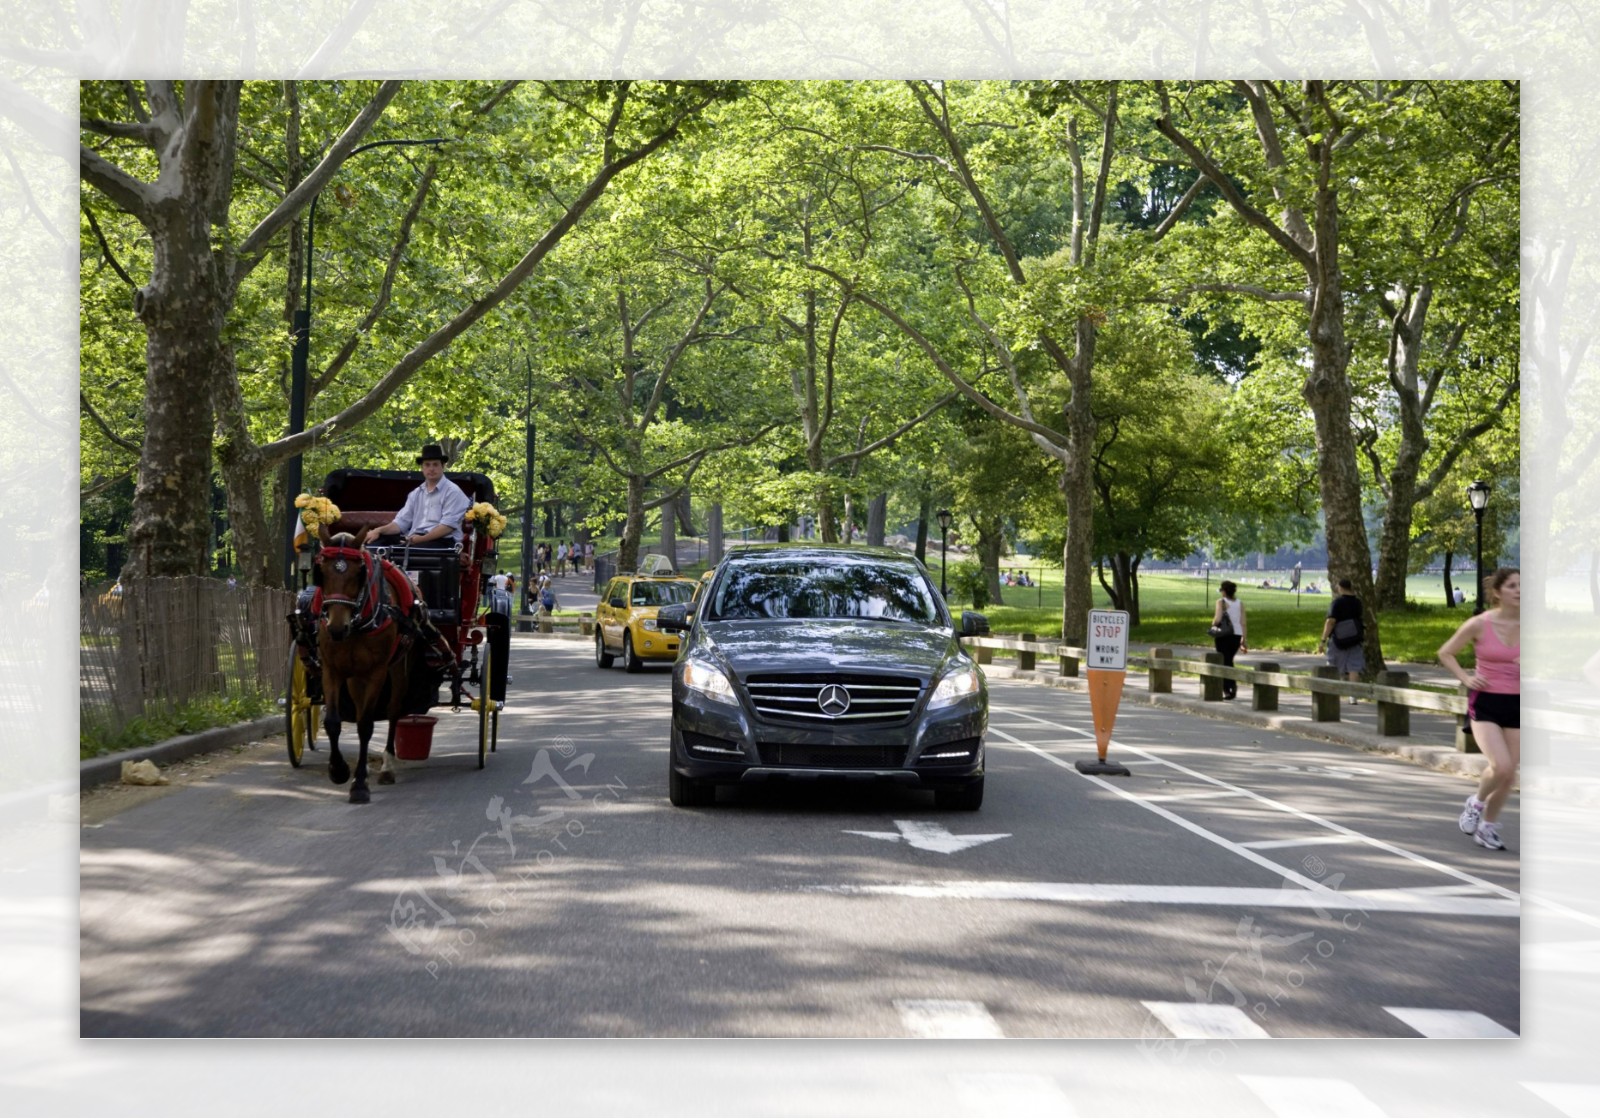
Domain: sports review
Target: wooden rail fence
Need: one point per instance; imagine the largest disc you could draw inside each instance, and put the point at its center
(1393, 698)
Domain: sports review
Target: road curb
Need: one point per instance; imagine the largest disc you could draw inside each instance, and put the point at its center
(108, 767)
(1441, 758)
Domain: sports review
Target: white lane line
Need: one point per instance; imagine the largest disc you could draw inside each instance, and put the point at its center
(1303, 841)
(1312, 817)
(1578, 957)
(1212, 795)
(1449, 1023)
(1566, 1097)
(946, 1018)
(1205, 1020)
(1005, 1095)
(1228, 844)
(1312, 1097)
(1253, 897)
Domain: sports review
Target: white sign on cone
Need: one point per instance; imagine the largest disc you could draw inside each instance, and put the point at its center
(1108, 639)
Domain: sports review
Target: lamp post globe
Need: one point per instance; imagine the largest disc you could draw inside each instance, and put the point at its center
(1478, 497)
(944, 543)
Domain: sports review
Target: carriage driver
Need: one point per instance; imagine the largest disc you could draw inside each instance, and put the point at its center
(433, 511)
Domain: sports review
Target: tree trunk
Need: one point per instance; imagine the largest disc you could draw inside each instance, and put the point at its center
(714, 534)
(669, 533)
(1327, 391)
(182, 309)
(1077, 483)
(877, 518)
(632, 526)
(922, 530)
(1449, 591)
(991, 543)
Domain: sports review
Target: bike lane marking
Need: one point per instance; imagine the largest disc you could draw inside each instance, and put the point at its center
(1421, 860)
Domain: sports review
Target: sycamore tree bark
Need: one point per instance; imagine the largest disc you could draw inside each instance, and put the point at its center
(1308, 233)
(181, 306)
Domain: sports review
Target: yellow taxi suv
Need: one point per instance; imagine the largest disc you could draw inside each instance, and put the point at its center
(625, 619)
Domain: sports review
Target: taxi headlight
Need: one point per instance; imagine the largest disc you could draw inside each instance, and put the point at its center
(711, 682)
(956, 685)
(649, 624)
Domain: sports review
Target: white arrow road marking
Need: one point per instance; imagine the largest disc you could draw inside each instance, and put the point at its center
(929, 837)
(1449, 1023)
(946, 1018)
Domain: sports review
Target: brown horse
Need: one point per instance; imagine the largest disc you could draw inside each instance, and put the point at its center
(368, 652)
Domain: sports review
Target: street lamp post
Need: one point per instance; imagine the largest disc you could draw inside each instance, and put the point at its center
(1478, 495)
(300, 357)
(944, 543)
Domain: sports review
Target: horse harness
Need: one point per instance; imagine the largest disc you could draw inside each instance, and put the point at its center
(386, 598)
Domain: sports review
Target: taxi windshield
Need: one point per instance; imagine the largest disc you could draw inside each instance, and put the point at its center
(660, 594)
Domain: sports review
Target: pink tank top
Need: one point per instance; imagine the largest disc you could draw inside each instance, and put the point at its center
(1499, 664)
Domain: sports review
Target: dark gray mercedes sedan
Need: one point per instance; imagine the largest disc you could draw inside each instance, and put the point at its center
(808, 663)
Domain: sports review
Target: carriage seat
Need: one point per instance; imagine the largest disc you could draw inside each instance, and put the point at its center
(353, 521)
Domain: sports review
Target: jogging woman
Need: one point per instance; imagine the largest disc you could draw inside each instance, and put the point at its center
(1494, 699)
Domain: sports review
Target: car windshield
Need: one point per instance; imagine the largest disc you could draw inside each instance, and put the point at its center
(660, 594)
(809, 589)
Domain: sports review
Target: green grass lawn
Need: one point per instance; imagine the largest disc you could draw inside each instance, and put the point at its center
(1176, 609)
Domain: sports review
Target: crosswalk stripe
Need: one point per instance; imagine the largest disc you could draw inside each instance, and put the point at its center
(1449, 1023)
(1211, 794)
(946, 1018)
(1312, 1097)
(1205, 1020)
(1006, 1095)
(1567, 1098)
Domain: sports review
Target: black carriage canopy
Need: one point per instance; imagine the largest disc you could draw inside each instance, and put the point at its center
(386, 490)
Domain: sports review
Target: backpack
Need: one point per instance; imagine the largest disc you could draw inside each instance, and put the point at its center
(547, 599)
(1347, 633)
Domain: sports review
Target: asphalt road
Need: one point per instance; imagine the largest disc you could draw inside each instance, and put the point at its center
(1239, 884)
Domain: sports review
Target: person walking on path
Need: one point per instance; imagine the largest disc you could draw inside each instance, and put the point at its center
(1227, 627)
(1494, 699)
(1342, 633)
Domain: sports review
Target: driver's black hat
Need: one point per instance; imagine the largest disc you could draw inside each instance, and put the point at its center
(432, 450)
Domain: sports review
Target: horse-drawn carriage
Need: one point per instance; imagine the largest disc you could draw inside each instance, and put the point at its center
(418, 606)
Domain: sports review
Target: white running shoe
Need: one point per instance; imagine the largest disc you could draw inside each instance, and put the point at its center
(1470, 815)
(1488, 835)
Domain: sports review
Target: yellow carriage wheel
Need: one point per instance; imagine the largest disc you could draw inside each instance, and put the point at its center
(300, 715)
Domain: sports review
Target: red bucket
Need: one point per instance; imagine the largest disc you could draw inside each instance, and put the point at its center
(413, 737)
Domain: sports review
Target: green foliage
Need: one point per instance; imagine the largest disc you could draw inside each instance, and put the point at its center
(159, 724)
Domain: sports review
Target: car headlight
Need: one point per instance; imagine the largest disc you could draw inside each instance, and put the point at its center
(956, 685)
(649, 624)
(713, 683)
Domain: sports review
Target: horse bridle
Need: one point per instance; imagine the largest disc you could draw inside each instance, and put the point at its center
(365, 610)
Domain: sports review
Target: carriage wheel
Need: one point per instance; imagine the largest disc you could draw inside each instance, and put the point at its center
(488, 717)
(300, 715)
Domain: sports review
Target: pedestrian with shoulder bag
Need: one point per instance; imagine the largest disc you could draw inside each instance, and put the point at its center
(1343, 631)
(1228, 632)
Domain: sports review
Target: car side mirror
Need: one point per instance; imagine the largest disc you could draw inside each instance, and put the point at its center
(674, 618)
(973, 624)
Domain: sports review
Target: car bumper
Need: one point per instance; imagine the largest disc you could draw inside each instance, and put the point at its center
(649, 646)
(722, 744)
